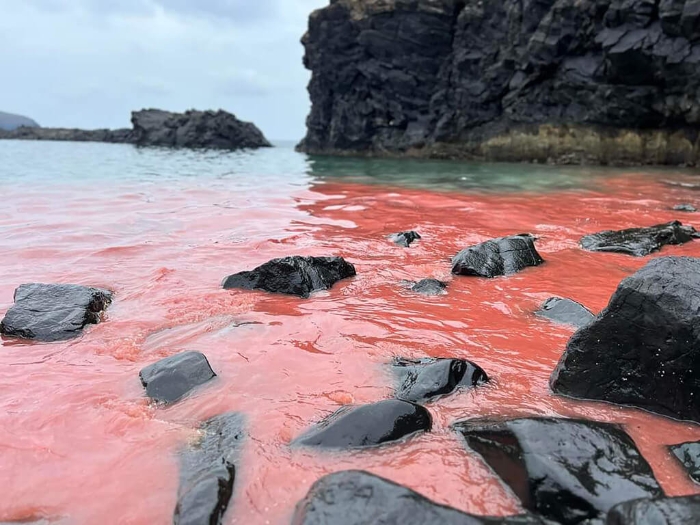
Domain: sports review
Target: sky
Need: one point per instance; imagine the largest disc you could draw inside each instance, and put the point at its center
(89, 63)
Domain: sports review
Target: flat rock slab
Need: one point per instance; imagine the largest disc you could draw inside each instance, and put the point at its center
(296, 275)
(504, 256)
(565, 311)
(684, 510)
(643, 349)
(685, 207)
(425, 379)
(208, 472)
(368, 425)
(639, 241)
(54, 312)
(429, 287)
(355, 497)
(565, 470)
(689, 456)
(169, 379)
(405, 238)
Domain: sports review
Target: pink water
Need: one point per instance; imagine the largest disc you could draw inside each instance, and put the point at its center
(79, 442)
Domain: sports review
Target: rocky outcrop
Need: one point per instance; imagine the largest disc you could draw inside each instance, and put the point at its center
(689, 456)
(53, 312)
(295, 275)
(425, 379)
(570, 81)
(154, 127)
(368, 425)
(503, 256)
(662, 511)
(565, 311)
(354, 497)
(643, 349)
(169, 379)
(639, 241)
(9, 121)
(568, 471)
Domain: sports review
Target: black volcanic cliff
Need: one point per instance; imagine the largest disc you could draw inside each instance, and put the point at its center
(545, 80)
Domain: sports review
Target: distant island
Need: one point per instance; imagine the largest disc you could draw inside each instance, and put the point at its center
(9, 121)
(153, 127)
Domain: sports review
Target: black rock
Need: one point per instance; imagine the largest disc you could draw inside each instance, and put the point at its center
(684, 510)
(368, 425)
(354, 497)
(685, 207)
(639, 241)
(208, 472)
(53, 312)
(689, 455)
(565, 311)
(424, 379)
(643, 349)
(568, 471)
(169, 379)
(429, 287)
(293, 275)
(405, 238)
(503, 256)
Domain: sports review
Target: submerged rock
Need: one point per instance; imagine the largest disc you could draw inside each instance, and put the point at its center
(424, 379)
(293, 275)
(429, 287)
(644, 348)
(405, 238)
(689, 456)
(568, 471)
(354, 497)
(503, 256)
(368, 425)
(685, 207)
(639, 241)
(208, 472)
(565, 311)
(171, 378)
(663, 511)
(54, 312)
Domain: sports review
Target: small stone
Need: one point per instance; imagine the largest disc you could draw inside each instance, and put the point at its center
(685, 207)
(565, 311)
(424, 379)
(405, 238)
(169, 379)
(429, 287)
(504, 256)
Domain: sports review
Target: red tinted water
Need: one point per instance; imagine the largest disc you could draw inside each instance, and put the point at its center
(78, 440)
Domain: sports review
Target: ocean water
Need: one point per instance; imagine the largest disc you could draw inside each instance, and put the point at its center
(79, 442)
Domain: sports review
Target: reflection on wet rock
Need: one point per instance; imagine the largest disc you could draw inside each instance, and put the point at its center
(684, 510)
(368, 425)
(171, 378)
(405, 238)
(689, 455)
(424, 379)
(565, 470)
(639, 241)
(565, 311)
(503, 256)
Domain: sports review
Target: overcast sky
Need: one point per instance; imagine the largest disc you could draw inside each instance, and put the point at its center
(88, 63)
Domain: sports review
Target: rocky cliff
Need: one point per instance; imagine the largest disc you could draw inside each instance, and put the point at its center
(599, 81)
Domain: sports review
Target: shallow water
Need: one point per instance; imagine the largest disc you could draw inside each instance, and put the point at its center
(79, 442)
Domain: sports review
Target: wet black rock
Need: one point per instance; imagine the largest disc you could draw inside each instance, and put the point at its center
(429, 287)
(208, 472)
(689, 456)
(293, 275)
(639, 241)
(685, 207)
(423, 379)
(643, 349)
(405, 238)
(663, 511)
(368, 425)
(169, 379)
(53, 312)
(568, 471)
(503, 256)
(354, 497)
(565, 311)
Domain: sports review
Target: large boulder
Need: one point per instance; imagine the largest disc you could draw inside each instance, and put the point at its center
(368, 425)
(208, 471)
(194, 129)
(54, 312)
(293, 275)
(565, 311)
(643, 349)
(354, 497)
(503, 256)
(683, 510)
(568, 471)
(639, 241)
(689, 456)
(169, 379)
(425, 379)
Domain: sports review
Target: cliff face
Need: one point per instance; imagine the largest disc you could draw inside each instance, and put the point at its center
(604, 81)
